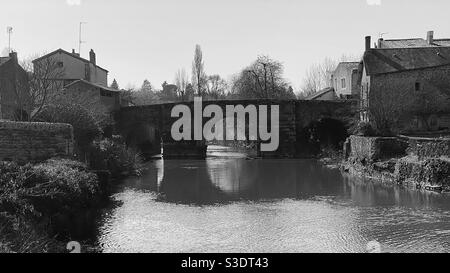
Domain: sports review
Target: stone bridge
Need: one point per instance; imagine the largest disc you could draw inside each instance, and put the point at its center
(305, 127)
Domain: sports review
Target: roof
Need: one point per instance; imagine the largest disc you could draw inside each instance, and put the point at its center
(413, 42)
(4, 60)
(348, 65)
(70, 54)
(320, 93)
(92, 84)
(390, 60)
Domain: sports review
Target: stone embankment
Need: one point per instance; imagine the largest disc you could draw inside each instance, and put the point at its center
(420, 163)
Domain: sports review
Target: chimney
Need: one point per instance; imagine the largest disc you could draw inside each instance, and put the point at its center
(13, 55)
(368, 41)
(380, 42)
(430, 37)
(92, 57)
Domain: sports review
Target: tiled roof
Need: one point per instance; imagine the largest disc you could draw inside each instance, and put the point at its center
(415, 42)
(381, 61)
(92, 84)
(4, 60)
(442, 42)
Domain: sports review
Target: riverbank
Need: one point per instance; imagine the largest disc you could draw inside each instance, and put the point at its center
(416, 163)
(45, 205)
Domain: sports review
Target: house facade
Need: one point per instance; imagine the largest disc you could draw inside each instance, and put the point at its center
(344, 80)
(74, 67)
(15, 100)
(410, 85)
(80, 79)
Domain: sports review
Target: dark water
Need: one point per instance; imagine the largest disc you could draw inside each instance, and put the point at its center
(229, 204)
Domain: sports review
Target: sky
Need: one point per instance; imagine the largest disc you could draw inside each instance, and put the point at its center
(152, 39)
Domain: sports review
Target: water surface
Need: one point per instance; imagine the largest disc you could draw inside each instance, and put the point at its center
(228, 203)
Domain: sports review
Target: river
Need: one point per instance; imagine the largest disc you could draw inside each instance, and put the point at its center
(229, 203)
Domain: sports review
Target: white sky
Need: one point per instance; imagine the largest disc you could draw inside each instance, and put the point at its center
(139, 39)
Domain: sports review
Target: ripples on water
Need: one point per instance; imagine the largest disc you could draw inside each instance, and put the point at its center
(230, 204)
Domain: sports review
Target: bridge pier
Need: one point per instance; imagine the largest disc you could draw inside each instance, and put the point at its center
(184, 149)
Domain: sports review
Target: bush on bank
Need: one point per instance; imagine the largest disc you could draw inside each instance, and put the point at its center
(31, 195)
(113, 155)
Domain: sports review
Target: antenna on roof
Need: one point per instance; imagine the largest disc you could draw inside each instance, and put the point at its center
(79, 38)
(9, 30)
(381, 34)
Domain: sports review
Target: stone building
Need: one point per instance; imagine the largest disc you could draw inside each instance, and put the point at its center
(409, 86)
(14, 89)
(108, 98)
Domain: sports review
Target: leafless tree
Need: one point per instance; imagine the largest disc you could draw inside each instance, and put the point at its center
(44, 81)
(262, 79)
(216, 87)
(181, 81)
(198, 71)
(318, 75)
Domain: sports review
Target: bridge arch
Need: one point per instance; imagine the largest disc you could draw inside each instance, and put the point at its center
(145, 137)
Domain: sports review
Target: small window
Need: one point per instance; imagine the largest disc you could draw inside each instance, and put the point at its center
(417, 86)
(343, 85)
(60, 64)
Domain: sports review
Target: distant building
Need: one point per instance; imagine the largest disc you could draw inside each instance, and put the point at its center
(405, 73)
(325, 94)
(14, 89)
(430, 41)
(74, 67)
(344, 80)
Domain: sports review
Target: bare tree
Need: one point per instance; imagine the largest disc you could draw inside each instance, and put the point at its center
(181, 81)
(262, 79)
(44, 82)
(318, 75)
(198, 71)
(216, 87)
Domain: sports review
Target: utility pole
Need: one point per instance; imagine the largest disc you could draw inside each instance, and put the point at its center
(9, 30)
(79, 38)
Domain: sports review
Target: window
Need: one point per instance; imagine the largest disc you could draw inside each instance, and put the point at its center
(343, 86)
(105, 93)
(417, 86)
(60, 64)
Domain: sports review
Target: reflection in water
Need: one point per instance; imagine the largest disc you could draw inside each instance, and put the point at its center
(228, 203)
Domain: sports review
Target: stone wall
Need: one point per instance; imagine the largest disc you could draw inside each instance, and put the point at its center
(30, 142)
(375, 148)
(429, 147)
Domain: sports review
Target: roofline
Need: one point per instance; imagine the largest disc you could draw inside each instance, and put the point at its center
(70, 54)
(405, 70)
(92, 84)
(409, 48)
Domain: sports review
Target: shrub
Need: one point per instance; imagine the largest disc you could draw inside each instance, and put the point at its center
(31, 195)
(85, 127)
(113, 155)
